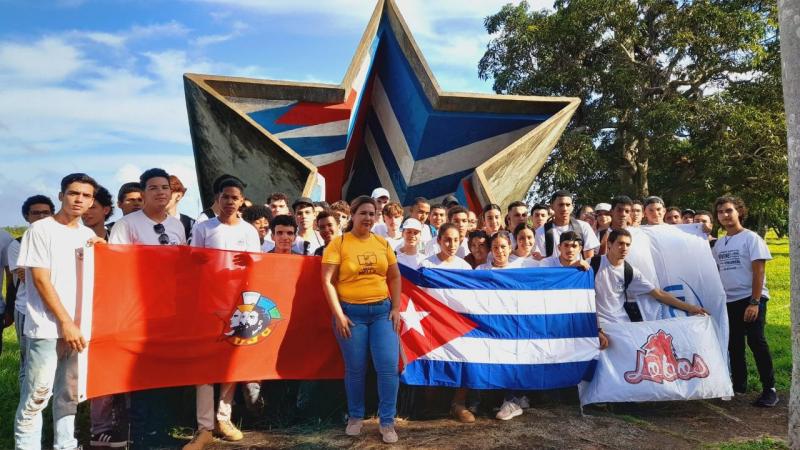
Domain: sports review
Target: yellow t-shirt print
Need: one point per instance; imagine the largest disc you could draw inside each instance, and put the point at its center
(368, 262)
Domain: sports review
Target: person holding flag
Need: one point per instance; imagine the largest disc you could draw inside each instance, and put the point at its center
(361, 282)
(226, 231)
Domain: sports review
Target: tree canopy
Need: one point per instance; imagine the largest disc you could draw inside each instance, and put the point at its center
(679, 98)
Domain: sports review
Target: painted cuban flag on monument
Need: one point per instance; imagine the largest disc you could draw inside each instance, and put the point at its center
(502, 329)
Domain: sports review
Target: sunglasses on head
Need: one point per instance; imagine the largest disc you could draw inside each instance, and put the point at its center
(163, 239)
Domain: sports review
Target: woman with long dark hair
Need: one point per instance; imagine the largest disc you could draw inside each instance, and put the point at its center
(361, 282)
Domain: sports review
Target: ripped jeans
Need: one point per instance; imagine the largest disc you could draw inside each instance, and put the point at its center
(51, 370)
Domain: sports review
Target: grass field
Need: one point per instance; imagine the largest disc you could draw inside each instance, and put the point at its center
(778, 335)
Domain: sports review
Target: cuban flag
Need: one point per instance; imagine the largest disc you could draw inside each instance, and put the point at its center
(524, 329)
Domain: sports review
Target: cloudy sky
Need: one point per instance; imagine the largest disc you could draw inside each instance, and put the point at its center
(95, 86)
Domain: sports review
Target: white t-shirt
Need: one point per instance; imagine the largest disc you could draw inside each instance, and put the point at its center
(516, 264)
(432, 248)
(137, 228)
(735, 255)
(551, 261)
(413, 261)
(609, 288)
(315, 243)
(433, 262)
(50, 245)
(22, 292)
(267, 246)
(590, 239)
(214, 234)
(527, 261)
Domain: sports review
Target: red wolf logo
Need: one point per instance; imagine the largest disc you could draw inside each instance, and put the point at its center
(656, 361)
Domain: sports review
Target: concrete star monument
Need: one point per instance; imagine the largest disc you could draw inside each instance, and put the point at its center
(388, 123)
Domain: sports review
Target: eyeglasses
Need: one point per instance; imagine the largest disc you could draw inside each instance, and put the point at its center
(163, 239)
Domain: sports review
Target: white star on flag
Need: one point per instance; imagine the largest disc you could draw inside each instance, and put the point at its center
(412, 318)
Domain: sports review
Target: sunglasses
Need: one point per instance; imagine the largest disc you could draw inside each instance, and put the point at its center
(163, 239)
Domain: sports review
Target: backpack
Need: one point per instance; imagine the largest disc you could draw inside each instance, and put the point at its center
(12, 288)
(631, 307)
(548, 236)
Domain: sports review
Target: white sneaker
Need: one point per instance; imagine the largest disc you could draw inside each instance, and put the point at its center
(508, 411)
(523, 402)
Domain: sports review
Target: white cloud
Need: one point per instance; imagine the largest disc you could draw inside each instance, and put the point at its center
(237, 30)
(48, 60)
(53, 97)
(121, 38)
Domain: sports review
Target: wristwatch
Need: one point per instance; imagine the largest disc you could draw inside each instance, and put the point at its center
(754, 301)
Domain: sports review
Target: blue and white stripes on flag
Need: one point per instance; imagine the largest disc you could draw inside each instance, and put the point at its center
(536, 329)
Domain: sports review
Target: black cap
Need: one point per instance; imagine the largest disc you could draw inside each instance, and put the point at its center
(450, 200)
(302, 201)
(688, 211)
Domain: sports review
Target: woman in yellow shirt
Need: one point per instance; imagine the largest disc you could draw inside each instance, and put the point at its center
(361, 282)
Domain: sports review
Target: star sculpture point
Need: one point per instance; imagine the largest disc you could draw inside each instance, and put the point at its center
(387, 124)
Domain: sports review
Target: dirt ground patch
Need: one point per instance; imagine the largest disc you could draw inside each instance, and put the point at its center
(557, 424)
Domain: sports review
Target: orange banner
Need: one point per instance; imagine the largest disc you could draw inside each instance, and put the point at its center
(175, 315)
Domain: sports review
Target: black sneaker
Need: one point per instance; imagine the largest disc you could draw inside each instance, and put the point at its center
(768, 399)
(108, 440)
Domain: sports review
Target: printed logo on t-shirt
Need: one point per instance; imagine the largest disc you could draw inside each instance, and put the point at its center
(367, 263)
(728, 259)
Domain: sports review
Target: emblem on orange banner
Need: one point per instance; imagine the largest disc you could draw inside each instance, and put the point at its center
(253, 320)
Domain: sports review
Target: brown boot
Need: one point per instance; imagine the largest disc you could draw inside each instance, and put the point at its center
(227, 431)
(200, 440)
(462, 414)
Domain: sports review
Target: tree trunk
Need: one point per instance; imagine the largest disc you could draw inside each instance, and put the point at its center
(789, 12)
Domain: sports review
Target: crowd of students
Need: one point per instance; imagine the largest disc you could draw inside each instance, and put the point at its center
(360, 244)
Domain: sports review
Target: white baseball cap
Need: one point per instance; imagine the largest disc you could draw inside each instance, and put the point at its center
(412, 224)
(380, 192)
(603, 207)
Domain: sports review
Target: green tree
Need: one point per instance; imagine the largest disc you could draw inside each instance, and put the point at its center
(679, 98)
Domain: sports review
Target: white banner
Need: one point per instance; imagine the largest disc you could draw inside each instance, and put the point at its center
(686, 269)
(673, 359)
(678, 259)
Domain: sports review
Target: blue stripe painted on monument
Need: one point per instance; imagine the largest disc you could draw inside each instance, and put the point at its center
(424, 372)
(317, 145)
(405, 94)
(448, 131)
(267, 117)
(385, 150)
(438, 186)
(533, 326)
(430, 133)
(364, 178)
(534, 279)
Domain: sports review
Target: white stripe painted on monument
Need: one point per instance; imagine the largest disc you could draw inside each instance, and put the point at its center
(516, 351)
(337, 128)
(464, 158)
(250, 105)
(391, 129)
(380, 166)
(327, 158)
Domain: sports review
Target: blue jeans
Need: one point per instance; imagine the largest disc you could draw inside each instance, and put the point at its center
(371, 334)
(22, 340)
(51, 370)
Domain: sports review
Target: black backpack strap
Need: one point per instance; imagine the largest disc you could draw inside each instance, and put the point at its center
(548, 239)
(594, 263)
(631, 307)
(628, 276)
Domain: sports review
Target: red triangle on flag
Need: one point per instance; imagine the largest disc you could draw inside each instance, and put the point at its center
(427, 323)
